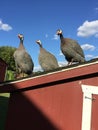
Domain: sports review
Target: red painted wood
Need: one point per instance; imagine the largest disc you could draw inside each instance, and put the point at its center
(51, 101)
(3, 67)
(53, 77)
(51, 108)
(94, 121)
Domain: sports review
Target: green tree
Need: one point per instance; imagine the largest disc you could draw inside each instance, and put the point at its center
(6, 53)
(9, 75)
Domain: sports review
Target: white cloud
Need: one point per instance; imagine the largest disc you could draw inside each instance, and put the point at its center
(88, 29)
(62, 63)
(56, 37)
(89, 56)
(4, 26)
(46, 35)
(96, 57)
(88, 47)
(96, 9)
(96, 35)
(61, 54)
(37, 68)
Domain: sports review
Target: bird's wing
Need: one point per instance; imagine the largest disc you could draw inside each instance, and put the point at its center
(24, 58)
(75, 46)
(47, 60)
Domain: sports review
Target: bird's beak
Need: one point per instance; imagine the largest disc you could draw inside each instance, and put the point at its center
(36, 41)
(18, 36)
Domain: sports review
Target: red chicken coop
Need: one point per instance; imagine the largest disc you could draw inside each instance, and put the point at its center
(3, 67)
(65, 99)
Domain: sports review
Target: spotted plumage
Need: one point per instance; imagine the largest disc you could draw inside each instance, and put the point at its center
(47, 60)
(23, 60)
(71, 49)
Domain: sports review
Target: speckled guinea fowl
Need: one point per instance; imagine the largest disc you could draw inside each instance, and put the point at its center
(71, 49)
(47, 60)
(23, 60)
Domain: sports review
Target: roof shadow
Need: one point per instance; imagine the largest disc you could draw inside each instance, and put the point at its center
(23, 114)
(3, 111)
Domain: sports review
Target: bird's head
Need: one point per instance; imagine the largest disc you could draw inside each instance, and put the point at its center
(59, 32)
(39, 42)
(20, 36)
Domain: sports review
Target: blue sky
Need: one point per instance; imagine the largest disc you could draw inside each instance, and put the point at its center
(40, 19)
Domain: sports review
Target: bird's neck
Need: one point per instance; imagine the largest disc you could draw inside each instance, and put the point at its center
(61, 37)
(40, 45)
(21, 46)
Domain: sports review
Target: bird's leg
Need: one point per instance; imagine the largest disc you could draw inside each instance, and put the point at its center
(17, 71)
(17, 75)
(70, 63)
(23, 75)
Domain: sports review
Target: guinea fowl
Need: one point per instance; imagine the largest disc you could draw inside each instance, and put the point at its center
(47, 60)
(23, 60)
(71, 49)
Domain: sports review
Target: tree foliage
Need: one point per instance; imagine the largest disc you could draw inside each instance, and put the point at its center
(9, 75)
(6, 53)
